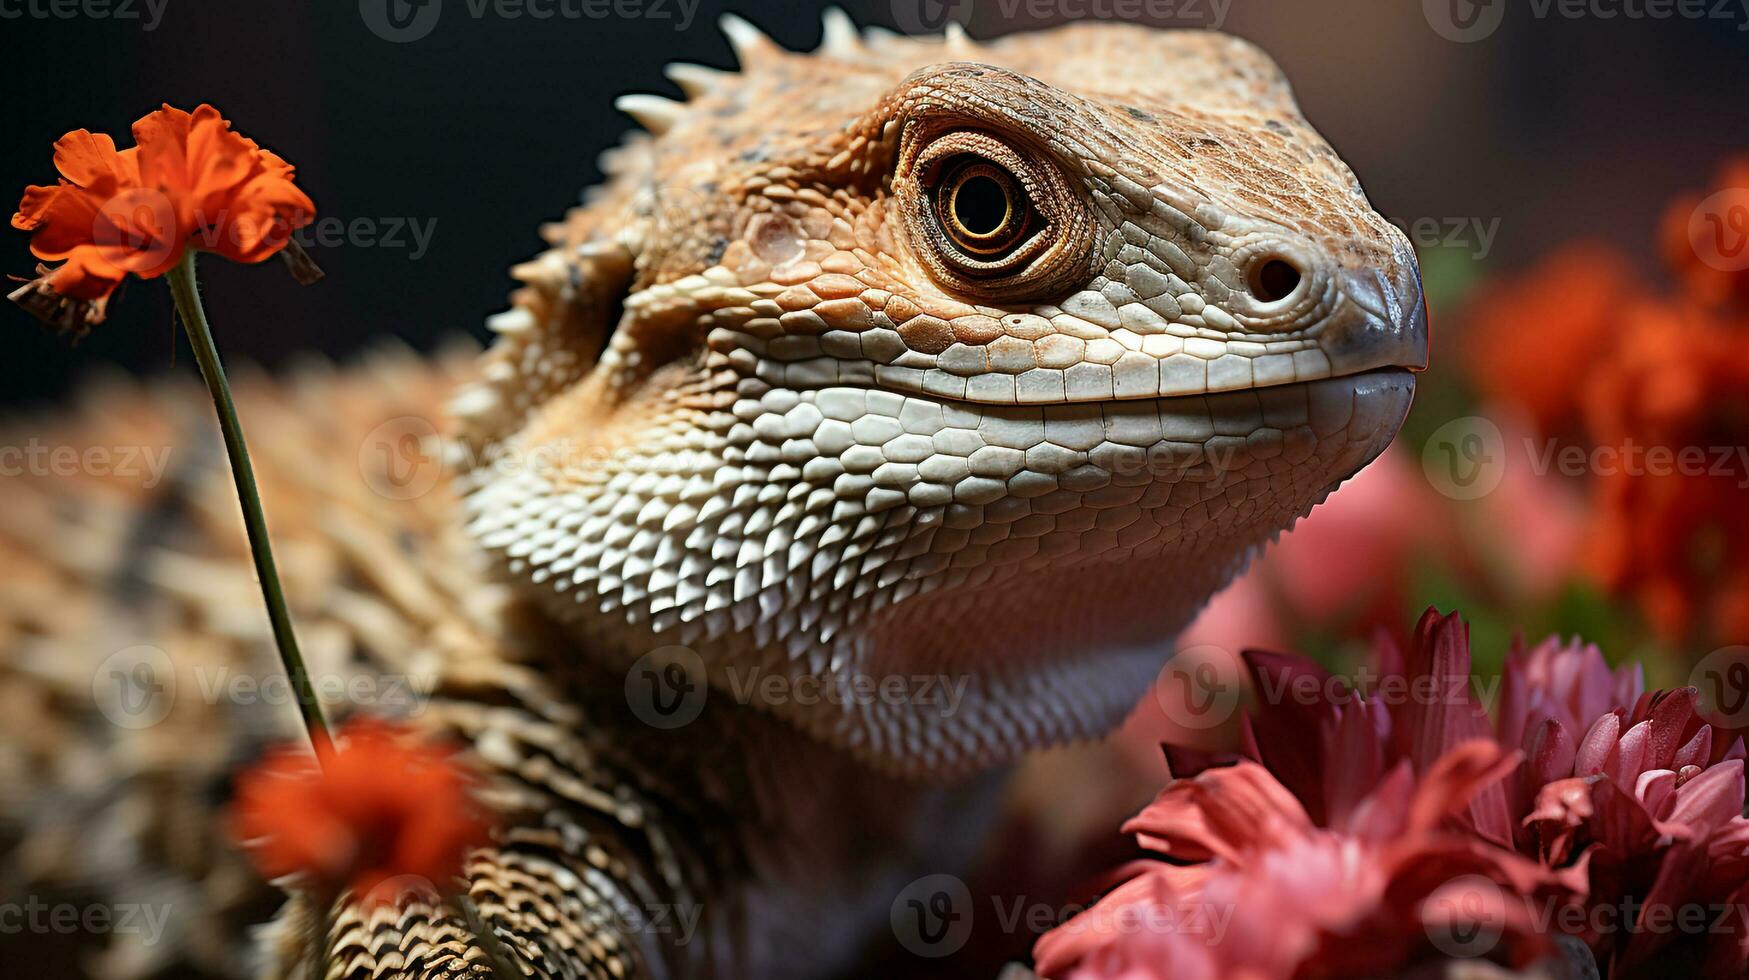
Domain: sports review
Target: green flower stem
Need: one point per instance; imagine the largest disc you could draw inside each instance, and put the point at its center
(187, 293)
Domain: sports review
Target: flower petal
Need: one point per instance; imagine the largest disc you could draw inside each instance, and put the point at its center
(1709, 800)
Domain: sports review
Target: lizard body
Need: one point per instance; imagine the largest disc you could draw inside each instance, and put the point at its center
(921, 359)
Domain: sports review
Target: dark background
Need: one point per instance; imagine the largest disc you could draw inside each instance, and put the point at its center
(1551, 128)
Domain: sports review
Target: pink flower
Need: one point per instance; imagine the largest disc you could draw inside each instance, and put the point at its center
(1583, 806)
(1271, 894)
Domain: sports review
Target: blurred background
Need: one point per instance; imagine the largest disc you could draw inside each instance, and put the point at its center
(1571, 174)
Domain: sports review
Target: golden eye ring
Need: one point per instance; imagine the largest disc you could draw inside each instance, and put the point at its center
(981, 207)
(992, 216)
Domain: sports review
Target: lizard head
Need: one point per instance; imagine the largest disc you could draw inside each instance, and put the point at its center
(926, 389)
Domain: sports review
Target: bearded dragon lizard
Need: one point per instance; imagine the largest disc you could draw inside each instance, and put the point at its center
(882, 417)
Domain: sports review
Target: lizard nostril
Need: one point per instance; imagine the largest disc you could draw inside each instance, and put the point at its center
(1272, 280)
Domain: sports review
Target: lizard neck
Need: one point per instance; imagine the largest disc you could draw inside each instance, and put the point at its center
(759, 842)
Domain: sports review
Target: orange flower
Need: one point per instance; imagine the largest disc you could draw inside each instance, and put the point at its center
(1668, 410)
(1705, 239)
(382, 813)
(189, 182)
(1530, 342)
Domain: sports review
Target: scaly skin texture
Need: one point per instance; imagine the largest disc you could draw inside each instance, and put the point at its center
(812, 446)
(896, 504)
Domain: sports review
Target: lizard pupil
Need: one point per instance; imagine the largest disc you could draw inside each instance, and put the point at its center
(980, 204)
(981, 208)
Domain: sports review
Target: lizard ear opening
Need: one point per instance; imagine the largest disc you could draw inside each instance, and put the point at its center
(549, 340)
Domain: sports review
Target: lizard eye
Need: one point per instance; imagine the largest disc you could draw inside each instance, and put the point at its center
(993, 218)
(981, 208)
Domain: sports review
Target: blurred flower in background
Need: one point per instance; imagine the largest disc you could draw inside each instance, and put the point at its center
(1530, 340)
(1674, 535)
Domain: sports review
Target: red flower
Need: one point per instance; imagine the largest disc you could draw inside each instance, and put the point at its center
(1529, 343)
(1671, 513)
(190, 182)
(1705, 239)
(383, 809)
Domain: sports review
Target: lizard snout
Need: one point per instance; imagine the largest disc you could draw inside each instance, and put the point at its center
(1380, 320)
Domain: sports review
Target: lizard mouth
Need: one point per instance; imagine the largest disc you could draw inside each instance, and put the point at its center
(909, 385)
(930, 450)
(1369, 332)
